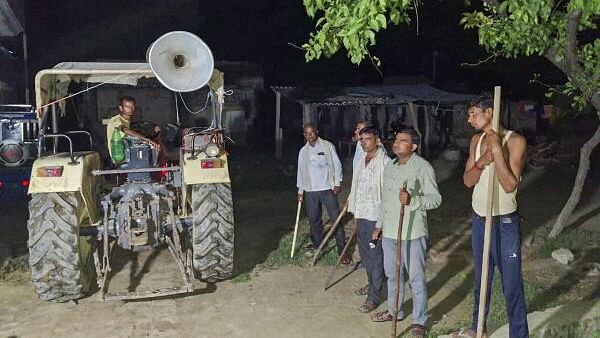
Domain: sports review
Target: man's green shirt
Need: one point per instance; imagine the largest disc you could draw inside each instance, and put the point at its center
(424, 195)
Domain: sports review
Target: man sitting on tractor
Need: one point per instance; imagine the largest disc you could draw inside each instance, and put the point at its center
(122, 121)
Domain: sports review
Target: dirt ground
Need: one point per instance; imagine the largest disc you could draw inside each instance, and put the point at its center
(290, 301)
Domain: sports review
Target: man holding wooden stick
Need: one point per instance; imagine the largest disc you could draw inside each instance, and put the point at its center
(505, 150)
(420, 195)
(318, 182)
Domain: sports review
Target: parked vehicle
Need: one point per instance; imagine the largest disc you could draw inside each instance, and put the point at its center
(18, 148)
(74, 225)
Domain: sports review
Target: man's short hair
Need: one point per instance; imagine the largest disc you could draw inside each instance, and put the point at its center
(414, 136)
(309, 125)
(482, 103)
(126, 98)
(370, 129)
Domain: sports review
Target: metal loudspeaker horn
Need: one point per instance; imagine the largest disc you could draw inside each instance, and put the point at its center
(181, 61)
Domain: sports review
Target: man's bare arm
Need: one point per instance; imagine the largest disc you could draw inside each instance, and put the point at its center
(472, 170)
(135, 134)
(509, 174)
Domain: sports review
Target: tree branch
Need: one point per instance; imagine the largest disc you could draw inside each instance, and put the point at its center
(374, 64)
(480, 62)
(551, 55)
(295, 46)
(493, 3)
(595, 100)
(571, 55)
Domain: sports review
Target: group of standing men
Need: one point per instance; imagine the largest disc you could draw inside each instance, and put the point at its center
(376, 197)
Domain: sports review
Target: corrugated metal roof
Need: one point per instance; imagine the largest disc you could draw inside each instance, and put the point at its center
(365, 95)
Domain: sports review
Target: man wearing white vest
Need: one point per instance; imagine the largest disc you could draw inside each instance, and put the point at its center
(363, 203)
(319, 179)
(505, 150)
(359, 150)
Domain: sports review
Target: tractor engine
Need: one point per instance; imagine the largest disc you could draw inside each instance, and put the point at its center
(18, 135)
(139, 154)
(139, 212)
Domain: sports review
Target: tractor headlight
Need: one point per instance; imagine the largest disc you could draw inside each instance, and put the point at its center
(212, 150)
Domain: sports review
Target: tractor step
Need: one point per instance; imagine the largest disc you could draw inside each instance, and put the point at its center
(149, 294)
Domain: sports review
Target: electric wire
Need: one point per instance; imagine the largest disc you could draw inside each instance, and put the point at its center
(39, 109)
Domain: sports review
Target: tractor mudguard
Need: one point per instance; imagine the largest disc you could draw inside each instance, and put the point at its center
(73, 177)
(205, 170)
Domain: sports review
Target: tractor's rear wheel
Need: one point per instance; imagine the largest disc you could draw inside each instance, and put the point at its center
(61, 261)
(212, 234)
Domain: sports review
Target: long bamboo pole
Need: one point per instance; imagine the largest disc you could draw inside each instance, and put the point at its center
(398, 267)
(296, 228)
(492, 183)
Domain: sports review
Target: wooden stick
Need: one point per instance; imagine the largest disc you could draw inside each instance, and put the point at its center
(492, 183)
(398, 267)
(330, 233)
(337, 263)
(296, 228)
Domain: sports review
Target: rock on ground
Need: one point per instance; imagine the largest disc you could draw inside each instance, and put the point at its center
(563, 256)
(569, 320)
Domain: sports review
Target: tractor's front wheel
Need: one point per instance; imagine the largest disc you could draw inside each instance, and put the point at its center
(61, 261)
(212, 234)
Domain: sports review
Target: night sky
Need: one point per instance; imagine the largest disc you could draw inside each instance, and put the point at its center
(261, 31)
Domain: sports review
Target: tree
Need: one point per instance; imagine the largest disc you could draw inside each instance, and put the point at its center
(556, 30)
(352, 24)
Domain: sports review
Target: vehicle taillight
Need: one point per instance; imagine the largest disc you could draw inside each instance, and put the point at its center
(1, 184)
(210, 164)
(50, 171)
(25, 183)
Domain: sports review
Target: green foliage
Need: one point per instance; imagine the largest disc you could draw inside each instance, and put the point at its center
(15, 271)
(539, 27)
(574, 239)
(352, 24)
(497, 315)
(241, 278)
(514, 28)
(281, 255)
(511, 28)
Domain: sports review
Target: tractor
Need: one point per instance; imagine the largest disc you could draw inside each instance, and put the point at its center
(75, 224)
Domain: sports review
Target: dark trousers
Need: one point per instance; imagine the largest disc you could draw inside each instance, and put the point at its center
(505, 254)
(314, 203)
(372, 259)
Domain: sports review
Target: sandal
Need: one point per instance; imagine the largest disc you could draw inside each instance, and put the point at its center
(367, 306)
(383, 316)
(362, 291)
(468, 334)
(346, 260)
(418, 331)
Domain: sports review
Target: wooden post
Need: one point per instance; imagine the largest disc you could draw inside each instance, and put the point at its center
(427, 133)
(412, 111)
(307, 114)
(492, 183)
(278, 130)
